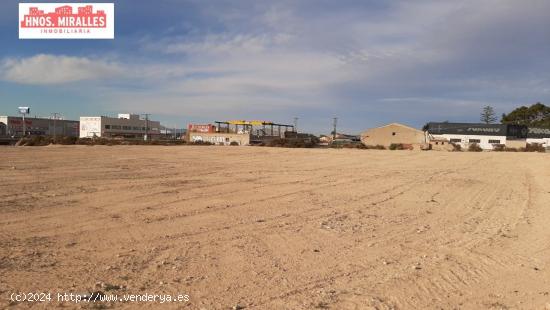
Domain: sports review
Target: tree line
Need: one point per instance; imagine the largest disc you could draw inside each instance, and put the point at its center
(536, 115)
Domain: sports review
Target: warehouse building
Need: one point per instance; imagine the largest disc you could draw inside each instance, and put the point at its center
(12, 126)
(220, 138)
(484, 135)
(394, 133)
(210, 133)
(238, 132)
(123, 126)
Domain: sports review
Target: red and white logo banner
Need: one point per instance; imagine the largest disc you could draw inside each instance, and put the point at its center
(66, 21)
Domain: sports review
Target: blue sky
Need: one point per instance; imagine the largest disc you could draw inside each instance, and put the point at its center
(366, 62)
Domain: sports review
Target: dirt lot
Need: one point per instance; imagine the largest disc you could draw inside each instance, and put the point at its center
(267, 228)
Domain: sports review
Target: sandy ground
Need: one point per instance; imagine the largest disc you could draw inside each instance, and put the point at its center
(267, 228)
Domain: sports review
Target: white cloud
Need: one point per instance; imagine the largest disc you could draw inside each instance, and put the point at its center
(290, 55)
(222, 44)
(323, 57)
(52, 69)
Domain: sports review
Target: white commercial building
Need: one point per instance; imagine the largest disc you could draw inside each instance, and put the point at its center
(487, 136)
(126, 126)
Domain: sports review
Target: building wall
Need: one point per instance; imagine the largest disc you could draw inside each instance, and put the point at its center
(3, 129)
(441, 145)
(516, 144)
(13, 126)
(393, 133)
(220, 138)
(3, 125)
(485, 142)
(544, 141)
(129, 126)
(476, 129)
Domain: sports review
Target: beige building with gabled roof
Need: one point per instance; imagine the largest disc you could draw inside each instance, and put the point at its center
(393, 133)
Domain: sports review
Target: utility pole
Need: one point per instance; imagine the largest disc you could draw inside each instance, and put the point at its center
(55, 115)
(296, 124)
(24, 126)
(334, 123)
(145, 134)
(146, 126)
(24, 111)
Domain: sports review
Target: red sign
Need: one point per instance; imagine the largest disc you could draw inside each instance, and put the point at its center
(201, 128)
(64, 17)
(20, 122)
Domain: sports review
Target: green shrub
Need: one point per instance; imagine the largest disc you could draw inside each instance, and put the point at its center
(503, 148)
(351, 146)
(291, 143)
(200, 142)
(234, 143)
(534, 147)
(372, 147)
(64, 140)
(456, 147)
(34, 141)
(84, 141)
(397, 146)
(474, 147)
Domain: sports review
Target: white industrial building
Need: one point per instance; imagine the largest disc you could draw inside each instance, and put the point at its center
(484, 135)
(125, 125)
(12, 126)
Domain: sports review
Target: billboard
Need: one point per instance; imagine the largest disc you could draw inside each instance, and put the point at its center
(516, 131)
(24, 110)
(201, 128)
(538, 133)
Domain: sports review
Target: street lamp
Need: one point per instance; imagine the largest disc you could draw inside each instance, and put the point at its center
(24, 111)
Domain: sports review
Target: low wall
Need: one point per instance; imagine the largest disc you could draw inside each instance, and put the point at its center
(516, 143)
(219, 138)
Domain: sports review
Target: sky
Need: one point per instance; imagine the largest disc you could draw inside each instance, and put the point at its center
(367, 62)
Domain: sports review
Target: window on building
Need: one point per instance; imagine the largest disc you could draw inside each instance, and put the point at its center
(115, 127)
(494, 141)
(107, 126)
(474, 141)
(393, 133)
(126, 127)
(456, 140)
